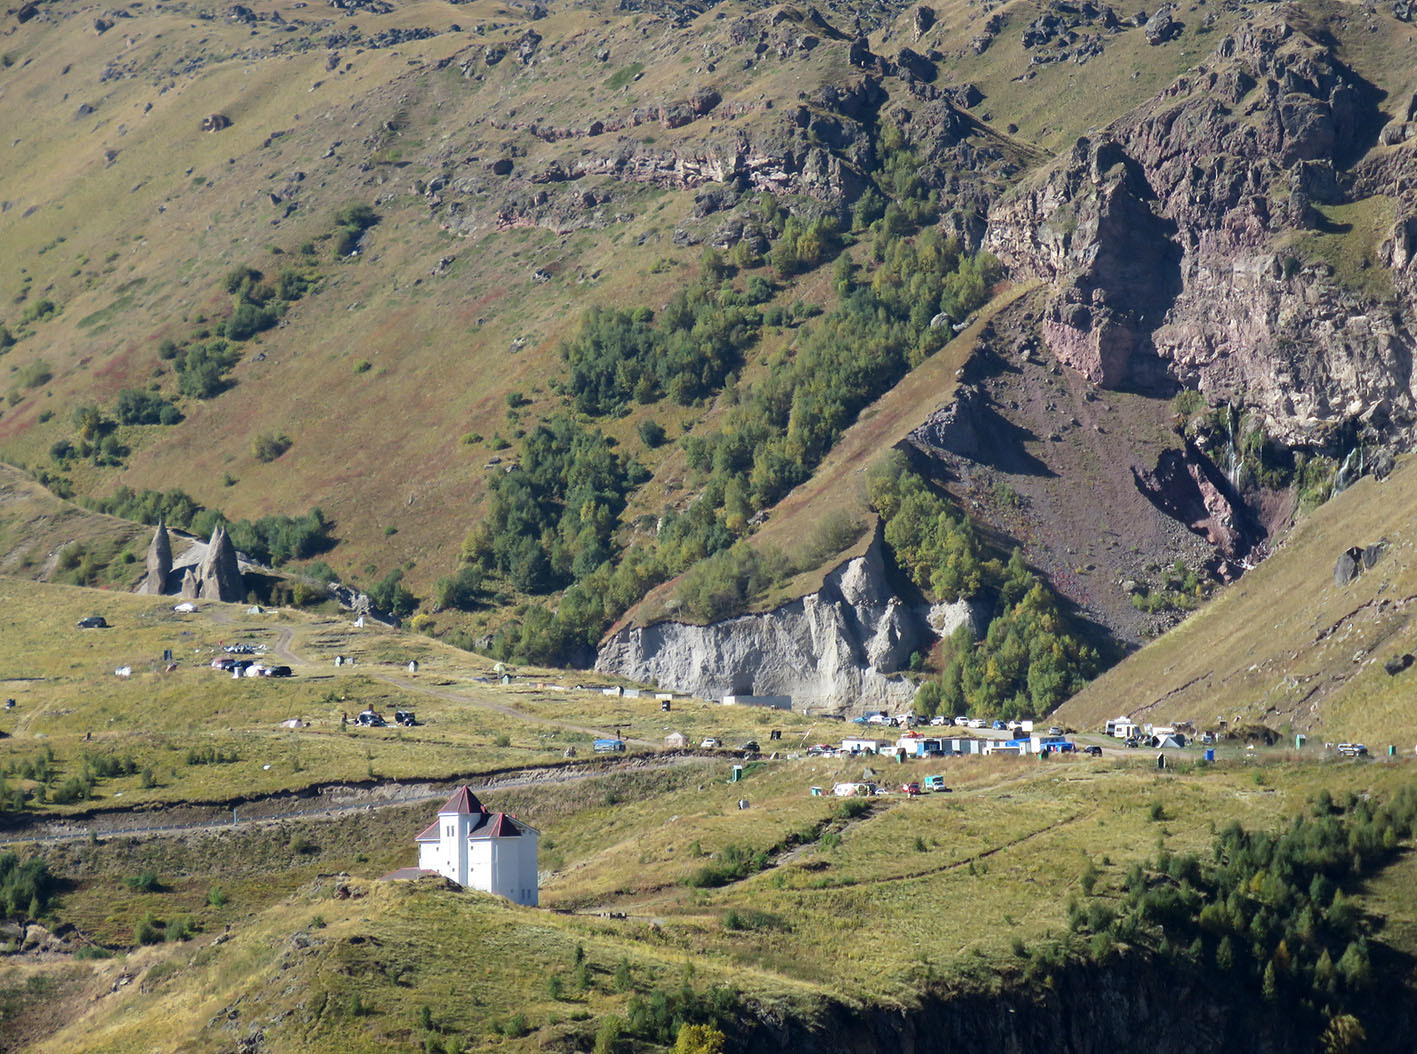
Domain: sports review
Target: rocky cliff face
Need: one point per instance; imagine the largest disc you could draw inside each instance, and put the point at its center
(839, 648)
(1182, 242)
(1087, 1007)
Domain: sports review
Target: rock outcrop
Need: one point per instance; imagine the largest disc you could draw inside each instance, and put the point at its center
(159, 563)
(1186, 486)
(836, 649)
(1173, 241)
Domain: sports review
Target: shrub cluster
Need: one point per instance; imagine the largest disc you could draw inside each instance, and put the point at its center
(136, 406)
(1029, 659)
(660, 1016)
(271, 539)
(732, 864)
(350, 224)
(26, 886)
(685, 352)
(550, 520)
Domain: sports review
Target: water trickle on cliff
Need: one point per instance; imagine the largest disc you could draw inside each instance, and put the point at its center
(1347, 473)
(1232, 453)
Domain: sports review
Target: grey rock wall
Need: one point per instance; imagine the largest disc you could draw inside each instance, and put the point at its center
(838, 648)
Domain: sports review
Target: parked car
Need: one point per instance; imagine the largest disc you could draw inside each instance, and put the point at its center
(711, 743)
(1092, 751)
(961, 720)
(279, 671)
(911, 789)
(750, 747)
(1133, 742)
(1055, 731)
(370, 719)
(93, 622)
(938, 719)
(405, 718)
(998, 725)
(978, 722)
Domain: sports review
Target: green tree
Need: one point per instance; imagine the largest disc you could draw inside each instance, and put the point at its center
(699, 1039)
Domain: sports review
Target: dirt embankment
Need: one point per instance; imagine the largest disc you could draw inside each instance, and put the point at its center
(312, 802)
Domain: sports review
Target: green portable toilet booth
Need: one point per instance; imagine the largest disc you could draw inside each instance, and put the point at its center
(737, 773)
(1391, 751)
(1300, 740)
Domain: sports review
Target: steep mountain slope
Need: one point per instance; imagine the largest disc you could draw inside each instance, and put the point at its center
(1294, 644)
(338, 257)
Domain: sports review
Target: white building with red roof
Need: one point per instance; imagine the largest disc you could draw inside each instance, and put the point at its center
(491, 851)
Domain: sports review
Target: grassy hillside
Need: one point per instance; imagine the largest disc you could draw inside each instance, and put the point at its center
(649, 866)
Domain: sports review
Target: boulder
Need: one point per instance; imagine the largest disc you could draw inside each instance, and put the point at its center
(159, 562)
(220, 577)
(1397, 664)
(1348, 566)
(921, 19)
(191, 584)
(215, 122)
(26, 12)
(1161, 27)
(916, 65)
(704, 100)
(526, 45)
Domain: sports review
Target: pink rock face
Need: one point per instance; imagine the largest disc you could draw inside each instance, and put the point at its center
(1100, 352)
(1220, 527)
(1223, 169)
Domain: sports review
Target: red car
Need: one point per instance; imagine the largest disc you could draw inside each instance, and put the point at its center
(910, 790)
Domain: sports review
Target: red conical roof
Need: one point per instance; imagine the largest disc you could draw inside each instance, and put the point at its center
(462, 801)
(503, 826)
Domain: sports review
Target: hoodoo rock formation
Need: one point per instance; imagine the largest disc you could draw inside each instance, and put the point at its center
(159, 563)
(219, 577)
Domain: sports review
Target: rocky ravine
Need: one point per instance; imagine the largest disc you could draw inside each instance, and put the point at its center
(838, 649)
